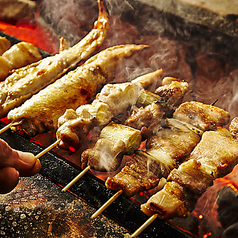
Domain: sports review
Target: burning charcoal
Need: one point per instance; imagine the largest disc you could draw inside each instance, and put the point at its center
(231, 231)
(227, 200)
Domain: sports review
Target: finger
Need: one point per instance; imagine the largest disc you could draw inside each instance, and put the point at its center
(26, 164)
(9, 178)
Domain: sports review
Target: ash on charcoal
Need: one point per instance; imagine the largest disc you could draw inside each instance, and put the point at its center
(227, 201)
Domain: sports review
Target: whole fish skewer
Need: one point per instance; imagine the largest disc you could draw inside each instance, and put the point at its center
(26, 81)
(40, 113)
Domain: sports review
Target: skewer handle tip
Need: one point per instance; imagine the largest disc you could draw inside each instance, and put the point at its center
(106, 204)
(144, 226)
(76, 179)
(5, 128)
(48, 149)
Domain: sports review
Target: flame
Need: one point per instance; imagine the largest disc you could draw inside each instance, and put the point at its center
(34, 34)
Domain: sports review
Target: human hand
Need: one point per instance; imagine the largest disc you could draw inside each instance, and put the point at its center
(13, 164)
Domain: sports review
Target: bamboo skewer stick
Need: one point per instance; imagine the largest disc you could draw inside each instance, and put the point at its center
(76, 179)
(48, 149)
(106, 204)
(5, 128)
(144, 226)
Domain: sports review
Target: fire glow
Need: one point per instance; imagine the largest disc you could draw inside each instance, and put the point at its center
(172, 65)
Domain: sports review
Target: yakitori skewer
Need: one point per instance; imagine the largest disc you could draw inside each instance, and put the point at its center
(80, 175)
(166, 141)
(5, 128)
(47, 149)
(144, 226)
(107, 204)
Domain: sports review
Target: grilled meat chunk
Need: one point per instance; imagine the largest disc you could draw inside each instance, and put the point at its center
(173, 90)
(135, 175)
(106, 155)
(214, 156)
(173, 143)
(41, 113)
(233, 127)
(167, 203)
(114, 141)
(27, 81)
(5, 44)
(203, 116)
(112, 101)
(149, 116)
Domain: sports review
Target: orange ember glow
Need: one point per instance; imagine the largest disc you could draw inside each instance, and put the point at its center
(206, 235)
(34, 34)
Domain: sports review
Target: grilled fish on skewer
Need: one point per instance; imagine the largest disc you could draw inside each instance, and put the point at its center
(214, 156)
(112, 101)
(25, 82)
(5, 44)
(17, 56)
(41, 112)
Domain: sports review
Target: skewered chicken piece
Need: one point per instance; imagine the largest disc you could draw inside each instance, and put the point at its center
(114, 141)
(40, 113)
(26, 81)
(113, 101)
(164, 150)
(172, 91)
(233, 127)
(208, 117)
(5, 44)
(19, 55)
(214, 156)
(170, 145)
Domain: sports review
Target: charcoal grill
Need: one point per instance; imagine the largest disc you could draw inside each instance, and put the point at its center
(221, 45)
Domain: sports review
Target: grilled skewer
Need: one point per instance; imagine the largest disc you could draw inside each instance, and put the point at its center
(163, 150)
(41, 112)
(5, 44)
(113, 101)
(19, 55)
(214, 156)
(27, 81)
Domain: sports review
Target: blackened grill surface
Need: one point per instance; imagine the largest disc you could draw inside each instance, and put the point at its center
(93, 191)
